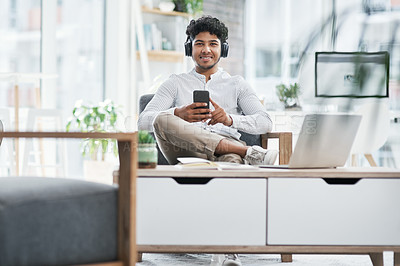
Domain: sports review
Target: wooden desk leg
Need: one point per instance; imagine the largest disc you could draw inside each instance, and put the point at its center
(139, 257)
(286, 258)
(41, 145)
(396, 259)
(354, 158)
(376, 258)
(16, 118)
(127, 250)
(285, 144)
(285, 148)
(370, 159)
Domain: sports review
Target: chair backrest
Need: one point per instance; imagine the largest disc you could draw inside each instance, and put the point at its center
(374, 128)
(143, 101)
(250, 139)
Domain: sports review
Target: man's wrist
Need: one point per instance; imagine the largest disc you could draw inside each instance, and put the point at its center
(176, 112)
(229, 122)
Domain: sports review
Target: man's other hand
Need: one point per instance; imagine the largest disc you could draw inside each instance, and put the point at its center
(190, 114)
(219, 115)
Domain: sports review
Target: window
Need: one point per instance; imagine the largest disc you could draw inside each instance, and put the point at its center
(284, 36)
(277, 33)
(64, 38)
(19, 48)
(79, 52)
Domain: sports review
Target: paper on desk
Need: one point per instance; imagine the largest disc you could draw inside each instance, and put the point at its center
(194, 163)
(235, 166)
(200, 163)
(186, 160)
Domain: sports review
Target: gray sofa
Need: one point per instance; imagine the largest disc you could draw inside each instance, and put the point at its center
(58, 221)
(55, 221)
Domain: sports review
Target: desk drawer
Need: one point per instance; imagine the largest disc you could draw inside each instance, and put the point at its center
(221, 212)
(312, 212)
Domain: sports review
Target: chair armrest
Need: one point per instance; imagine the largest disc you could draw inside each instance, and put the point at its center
(127, 144)
(285, 144)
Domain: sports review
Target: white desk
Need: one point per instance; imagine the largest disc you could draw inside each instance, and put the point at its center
(269, 211)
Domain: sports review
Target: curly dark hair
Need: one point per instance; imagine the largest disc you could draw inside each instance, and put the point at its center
(207, 24)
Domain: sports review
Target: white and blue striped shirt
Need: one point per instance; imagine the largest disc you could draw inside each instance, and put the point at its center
(232, 93)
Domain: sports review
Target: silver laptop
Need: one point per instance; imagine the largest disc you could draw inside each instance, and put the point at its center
(325, 141)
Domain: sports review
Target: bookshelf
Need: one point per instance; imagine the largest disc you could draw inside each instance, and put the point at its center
(159, 12)
(164, 56)
(160, 38)
(159, 26)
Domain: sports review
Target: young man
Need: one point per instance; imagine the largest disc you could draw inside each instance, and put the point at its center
(183, 128)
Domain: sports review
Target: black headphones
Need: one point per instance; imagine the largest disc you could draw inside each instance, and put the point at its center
(188, 48)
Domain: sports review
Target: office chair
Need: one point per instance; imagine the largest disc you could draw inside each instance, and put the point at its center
(285, 138)
(373, 131)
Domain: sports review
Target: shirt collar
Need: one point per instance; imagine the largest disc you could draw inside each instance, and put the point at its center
(203, 78)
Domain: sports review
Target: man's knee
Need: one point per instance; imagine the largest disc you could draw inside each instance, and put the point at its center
(164, 122)
(159, 121)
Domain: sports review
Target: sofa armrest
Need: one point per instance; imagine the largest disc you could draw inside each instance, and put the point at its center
(127, 144)
(285, 144)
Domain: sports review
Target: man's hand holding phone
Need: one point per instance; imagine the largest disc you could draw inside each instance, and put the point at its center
(194, 112)
(199, 110)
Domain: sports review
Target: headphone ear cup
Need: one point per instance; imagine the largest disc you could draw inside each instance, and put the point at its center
(188, 48)
(224, 49)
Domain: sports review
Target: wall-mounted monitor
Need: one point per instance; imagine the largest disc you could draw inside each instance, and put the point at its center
(352, 74)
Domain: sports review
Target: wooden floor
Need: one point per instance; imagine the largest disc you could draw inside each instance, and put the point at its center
(263, 260)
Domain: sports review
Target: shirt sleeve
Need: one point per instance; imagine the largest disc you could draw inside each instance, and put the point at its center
(255, 119)
(163, 101)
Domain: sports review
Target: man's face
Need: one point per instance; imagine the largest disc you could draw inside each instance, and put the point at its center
(206, 51)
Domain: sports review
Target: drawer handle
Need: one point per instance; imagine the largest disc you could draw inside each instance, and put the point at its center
(342, 181)
(192, 181)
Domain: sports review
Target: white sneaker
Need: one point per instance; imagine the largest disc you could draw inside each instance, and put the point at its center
(225, 260)
(217, 259)
(231, 260)
(256, 155)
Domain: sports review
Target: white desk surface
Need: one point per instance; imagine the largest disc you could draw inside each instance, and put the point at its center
(342, 172)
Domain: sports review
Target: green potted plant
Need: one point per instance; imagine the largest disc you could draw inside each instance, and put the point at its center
(147, 150)
(193, 7)
(289, 95)
(101, 117)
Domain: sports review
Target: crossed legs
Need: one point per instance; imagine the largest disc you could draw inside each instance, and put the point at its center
(178, 138)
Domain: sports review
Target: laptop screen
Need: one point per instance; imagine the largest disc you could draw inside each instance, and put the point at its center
(355, 75)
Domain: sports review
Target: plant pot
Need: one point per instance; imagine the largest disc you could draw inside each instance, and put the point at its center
(148, 155)
(98, 171)
(292, 104)
(180, 5)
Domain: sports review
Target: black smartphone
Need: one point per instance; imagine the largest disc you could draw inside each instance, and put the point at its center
(202, 96)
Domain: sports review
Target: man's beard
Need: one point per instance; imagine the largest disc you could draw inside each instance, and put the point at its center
(209, 67)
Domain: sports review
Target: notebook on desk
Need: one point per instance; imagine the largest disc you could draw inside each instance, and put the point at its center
(325, 141)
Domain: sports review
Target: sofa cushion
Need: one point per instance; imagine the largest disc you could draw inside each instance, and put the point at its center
(54, 221)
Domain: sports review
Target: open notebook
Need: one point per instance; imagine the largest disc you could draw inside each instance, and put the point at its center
(194, 163)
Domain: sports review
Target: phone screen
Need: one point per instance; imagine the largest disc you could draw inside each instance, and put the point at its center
(202, 96)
